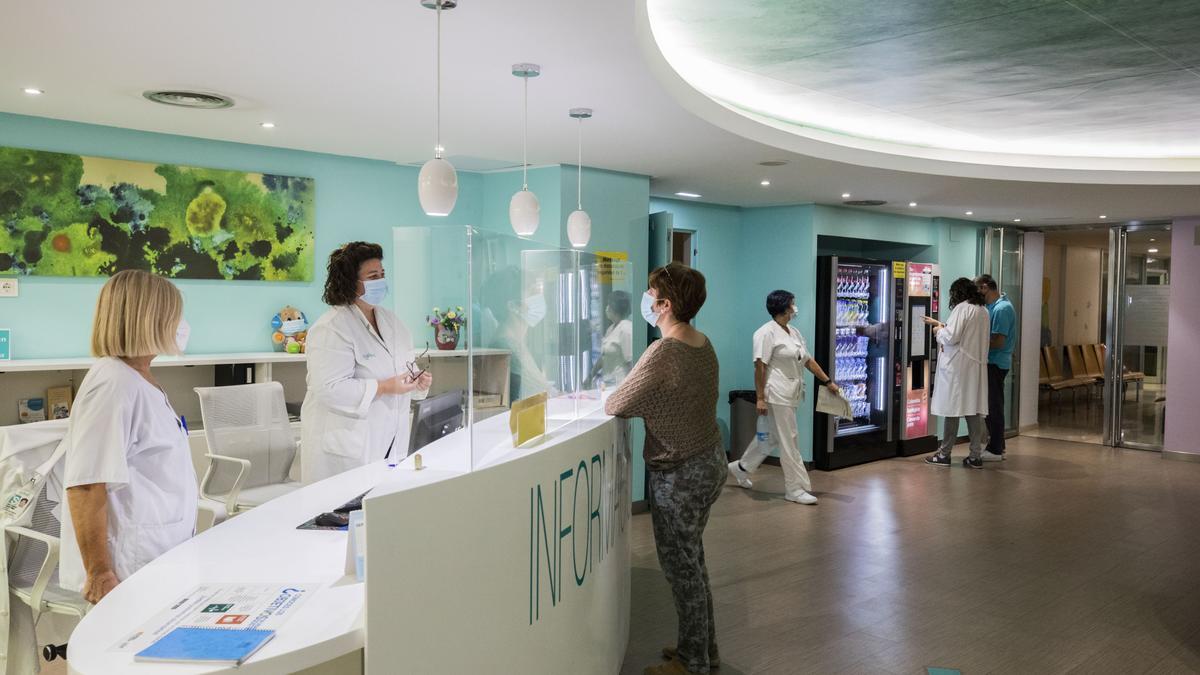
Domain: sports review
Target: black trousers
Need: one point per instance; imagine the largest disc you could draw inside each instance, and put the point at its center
(995, 417)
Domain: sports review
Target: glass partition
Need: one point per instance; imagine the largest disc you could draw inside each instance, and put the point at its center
(545, 336)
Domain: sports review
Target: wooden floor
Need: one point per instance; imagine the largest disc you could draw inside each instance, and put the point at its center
(1067, 558)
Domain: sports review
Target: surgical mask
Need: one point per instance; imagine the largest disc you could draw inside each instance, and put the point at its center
(374, 291)
(182, 334)
(648, 312)
(292, 327)
(535, 309)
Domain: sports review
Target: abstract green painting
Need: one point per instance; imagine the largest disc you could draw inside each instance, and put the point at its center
(68, 215)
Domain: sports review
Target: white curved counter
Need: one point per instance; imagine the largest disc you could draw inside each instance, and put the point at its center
(264, 546)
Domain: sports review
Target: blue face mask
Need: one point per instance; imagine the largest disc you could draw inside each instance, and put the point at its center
(374, 291)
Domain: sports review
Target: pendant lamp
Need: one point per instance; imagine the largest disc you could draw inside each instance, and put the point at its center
(524, 211)
(437, 184)
(579, 223)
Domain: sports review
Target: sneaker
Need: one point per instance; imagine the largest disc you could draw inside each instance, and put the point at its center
(973, 462)
(993, 457)
(937, 459)
(801, 497)
(739, 474)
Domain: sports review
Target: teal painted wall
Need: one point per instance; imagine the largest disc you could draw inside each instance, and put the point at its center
(355, 199)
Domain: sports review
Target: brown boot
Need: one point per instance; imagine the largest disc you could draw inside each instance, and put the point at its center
(714, 659)
(672, 667)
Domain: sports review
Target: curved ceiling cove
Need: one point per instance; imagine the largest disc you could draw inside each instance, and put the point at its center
(1075, 86)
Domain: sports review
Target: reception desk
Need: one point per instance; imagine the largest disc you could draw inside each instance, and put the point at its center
(490, 559)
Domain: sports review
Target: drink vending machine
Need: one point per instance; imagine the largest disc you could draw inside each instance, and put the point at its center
(853, 322)
(917, 295)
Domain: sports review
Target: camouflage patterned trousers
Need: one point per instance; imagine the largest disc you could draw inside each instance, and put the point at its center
(680, 500)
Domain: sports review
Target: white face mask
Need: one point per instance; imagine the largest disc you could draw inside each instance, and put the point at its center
(648, 312)
(182, 333)
(374, 291)
(535, 309)
(291, 327)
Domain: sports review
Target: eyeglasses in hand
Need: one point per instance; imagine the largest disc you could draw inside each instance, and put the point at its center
(415, 371)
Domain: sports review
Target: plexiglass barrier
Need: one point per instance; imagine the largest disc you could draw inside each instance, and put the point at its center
(543, 335)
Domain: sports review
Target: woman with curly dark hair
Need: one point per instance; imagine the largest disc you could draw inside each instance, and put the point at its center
(361, 370)
(960, 386)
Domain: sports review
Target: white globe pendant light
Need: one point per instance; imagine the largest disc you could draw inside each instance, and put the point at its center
(437, 184)
(524, 210)
(579, 223)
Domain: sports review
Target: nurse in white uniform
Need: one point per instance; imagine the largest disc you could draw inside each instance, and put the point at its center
(616, 349)
(960, 388)
(361, 369)
(131, 491)
(780, 355)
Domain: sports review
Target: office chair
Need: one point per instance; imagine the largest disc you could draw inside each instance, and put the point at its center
(251, 445)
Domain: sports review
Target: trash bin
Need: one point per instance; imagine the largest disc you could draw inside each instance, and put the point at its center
(743, 421)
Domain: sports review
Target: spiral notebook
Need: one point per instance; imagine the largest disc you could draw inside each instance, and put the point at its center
(218, 646)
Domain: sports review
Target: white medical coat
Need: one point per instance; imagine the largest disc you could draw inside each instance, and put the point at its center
(343, 424)
(960, 387)
(123, 432)
(616, 351)
(785, 354)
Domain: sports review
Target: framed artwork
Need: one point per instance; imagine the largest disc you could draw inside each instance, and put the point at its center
(70, 215)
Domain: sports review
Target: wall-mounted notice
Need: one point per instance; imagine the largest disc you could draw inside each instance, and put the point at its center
(1146, 309)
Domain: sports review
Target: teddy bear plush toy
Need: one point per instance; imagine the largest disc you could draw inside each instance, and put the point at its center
(290, 329)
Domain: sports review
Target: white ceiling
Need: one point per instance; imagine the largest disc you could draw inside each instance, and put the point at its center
(1037, 84)
(357, 79)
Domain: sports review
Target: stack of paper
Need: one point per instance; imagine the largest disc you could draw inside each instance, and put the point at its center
(833, 404)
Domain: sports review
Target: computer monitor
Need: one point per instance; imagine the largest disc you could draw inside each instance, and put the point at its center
(435, 417)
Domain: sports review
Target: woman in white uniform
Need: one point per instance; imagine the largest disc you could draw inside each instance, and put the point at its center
(356, 410)
(616, 349)
(960, 386)
(131, 490)
(780, 355)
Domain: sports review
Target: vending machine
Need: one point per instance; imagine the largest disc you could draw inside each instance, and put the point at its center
(917, 295)
(853, 343)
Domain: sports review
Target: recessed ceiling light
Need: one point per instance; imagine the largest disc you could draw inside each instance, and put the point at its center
(1016, 220)
(845, 195)
(912, 204)
(189, 99)
(267, 125)
(689, 195)
(1102, 216)
(1153, 239)
(970, 213)
(33, 91)
(765, 183)
(1152, 250)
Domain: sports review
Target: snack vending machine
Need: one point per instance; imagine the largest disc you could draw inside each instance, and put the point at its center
(917, 295)
(852, 343)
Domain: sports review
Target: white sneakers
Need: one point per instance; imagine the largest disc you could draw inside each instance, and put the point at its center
(742, 478)
(991, 456)
(743, 481)
(800, 497)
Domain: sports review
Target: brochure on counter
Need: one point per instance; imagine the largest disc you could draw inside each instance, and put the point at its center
(223, 606)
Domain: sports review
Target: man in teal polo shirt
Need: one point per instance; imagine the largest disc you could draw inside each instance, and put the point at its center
(1004, 339)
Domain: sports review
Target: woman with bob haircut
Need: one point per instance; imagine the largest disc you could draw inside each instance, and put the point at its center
(131, 491)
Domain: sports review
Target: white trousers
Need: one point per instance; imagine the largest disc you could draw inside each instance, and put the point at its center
(784, 436)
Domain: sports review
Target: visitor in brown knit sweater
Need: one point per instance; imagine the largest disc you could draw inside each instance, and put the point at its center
(673, 388)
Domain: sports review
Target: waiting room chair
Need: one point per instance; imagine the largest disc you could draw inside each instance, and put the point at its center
(1079, 369)
(251, 445)
(1057, 381)
(1127, 376)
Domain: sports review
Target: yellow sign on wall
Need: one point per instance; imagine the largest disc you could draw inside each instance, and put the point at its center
(613, 265)
(898, 269)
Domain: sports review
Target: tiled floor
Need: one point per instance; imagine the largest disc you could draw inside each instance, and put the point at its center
(1067, 558)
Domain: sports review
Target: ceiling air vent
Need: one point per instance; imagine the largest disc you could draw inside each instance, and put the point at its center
(864, 202)
(189, 99)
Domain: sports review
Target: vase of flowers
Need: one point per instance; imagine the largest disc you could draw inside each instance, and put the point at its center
(447, 325)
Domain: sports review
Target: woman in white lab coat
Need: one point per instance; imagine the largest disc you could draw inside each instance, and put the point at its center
(360, 382)
(960, 387)
(131, 491)
(616, 349)
(780, 358)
